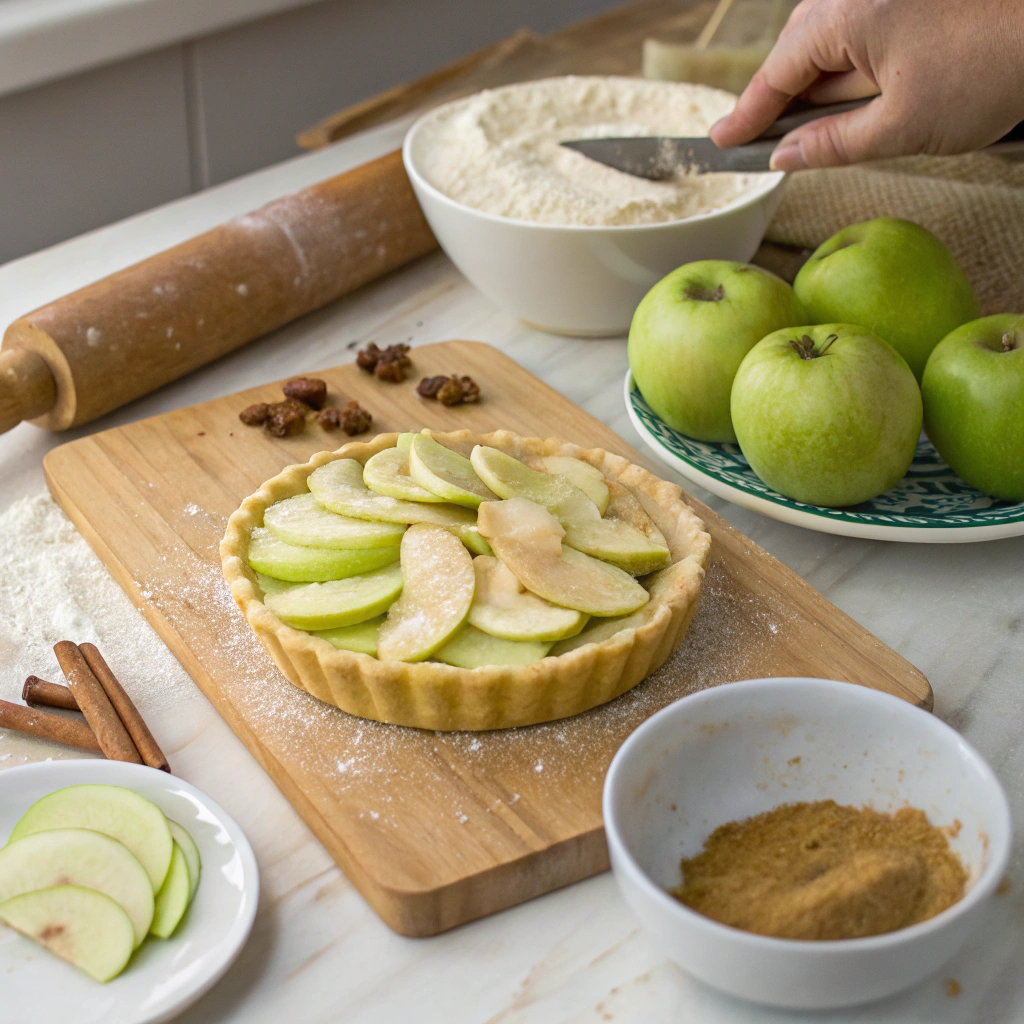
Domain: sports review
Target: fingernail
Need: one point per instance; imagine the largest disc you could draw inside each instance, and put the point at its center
(788, 158)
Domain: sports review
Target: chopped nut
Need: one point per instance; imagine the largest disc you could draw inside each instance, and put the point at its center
(429, 386)
(458, 390)
(255, 415)
(329, 418)
(367, 358)
(310, 390)
(286, 418)
(355, 419)
(390, 370)
(397, 354)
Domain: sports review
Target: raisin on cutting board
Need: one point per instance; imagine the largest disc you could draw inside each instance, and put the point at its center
(255, 415)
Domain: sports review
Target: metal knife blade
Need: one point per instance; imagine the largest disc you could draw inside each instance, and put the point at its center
(658, 157)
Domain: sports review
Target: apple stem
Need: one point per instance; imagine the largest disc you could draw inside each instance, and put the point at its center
(805, 346)
(1009, 341)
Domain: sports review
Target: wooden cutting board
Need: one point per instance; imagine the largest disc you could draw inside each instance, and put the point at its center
(434, 829)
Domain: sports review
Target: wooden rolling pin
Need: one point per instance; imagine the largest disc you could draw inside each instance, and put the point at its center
(130, 333)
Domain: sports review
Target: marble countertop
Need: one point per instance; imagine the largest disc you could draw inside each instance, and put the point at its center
(318, 953)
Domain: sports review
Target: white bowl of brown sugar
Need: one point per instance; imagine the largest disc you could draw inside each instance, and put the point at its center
(805, 843)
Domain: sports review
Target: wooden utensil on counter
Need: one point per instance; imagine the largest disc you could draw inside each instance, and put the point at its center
(128, 334)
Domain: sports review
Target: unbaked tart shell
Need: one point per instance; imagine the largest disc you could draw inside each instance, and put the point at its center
(430, 695)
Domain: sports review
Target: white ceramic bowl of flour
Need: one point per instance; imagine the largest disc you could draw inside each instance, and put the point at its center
(742, 749)
(556, 239)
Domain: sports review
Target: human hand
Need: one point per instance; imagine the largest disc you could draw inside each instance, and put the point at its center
(948, 76)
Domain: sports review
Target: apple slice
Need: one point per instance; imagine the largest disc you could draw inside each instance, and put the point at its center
(79, 856)
(82, 926)
(268, 585)
(298, 564)
(472, 648)
(528, 539)
(339, 602)
(446, 473)
(439, 585)
(173, 898)
(387, 473)
(339, 486)
(589, 479)
(361, 638)
(625, 507)
(470, 536)
(302, 520)
(135, 822)
(191, 854)
(504, 608)
(610, 540)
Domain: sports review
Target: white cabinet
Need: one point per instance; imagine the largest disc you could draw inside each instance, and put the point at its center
(82, 151)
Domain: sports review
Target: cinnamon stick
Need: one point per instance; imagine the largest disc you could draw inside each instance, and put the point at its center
(111, 735)
(53, 695)
(126, 710)
(56, 728)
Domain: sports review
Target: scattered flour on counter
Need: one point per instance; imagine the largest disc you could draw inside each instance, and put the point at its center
(499, 151)
(53, 587)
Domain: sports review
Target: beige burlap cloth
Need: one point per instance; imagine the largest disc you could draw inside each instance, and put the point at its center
(974, 203)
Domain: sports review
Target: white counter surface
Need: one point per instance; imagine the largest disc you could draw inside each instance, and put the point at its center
(318, 953)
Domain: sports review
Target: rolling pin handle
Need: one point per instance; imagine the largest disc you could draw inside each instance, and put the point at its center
(27, 387)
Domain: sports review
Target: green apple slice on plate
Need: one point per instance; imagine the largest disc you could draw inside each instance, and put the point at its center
(79, 856)
(589, 479)
(360, 638)
(387, 473)
(298, 564)
(302, 520)
(503, 607)
(528, 539)
(82, 926)
(191, 854)
(610, 540)
(317, 606)
(438, 591)
(446, 474)
(472, 648)
(173, 898)
(338, 485)
(135, 822)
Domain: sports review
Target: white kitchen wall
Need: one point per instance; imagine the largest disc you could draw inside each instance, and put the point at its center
(83, 151)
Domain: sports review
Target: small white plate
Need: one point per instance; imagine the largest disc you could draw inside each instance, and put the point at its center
(164, 976)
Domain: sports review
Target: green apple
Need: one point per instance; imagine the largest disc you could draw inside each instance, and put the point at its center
(337, 602)
(472, 648)
(690, 334)
(173, 898)
(135, 822)
(360, 637)
(827, 415)
(297, 563)
(445, 473)
(973, 390)
(388, 473)
(191, 853)
(79, 856)
(82, 926)
(892, 277)
(303, 521)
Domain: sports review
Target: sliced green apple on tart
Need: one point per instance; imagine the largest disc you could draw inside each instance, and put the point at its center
(446, 474)
(360, 637)
(589, 479)
(436, 597)
(334, 603)
(472, 648)
(503, 607)
(83, 926)
(302, 520)
(298, 563)
(388, 473)
(528, 539)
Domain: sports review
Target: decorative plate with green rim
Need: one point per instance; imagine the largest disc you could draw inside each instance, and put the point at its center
(930, 505)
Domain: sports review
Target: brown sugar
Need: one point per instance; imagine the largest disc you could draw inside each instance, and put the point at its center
(821, 871)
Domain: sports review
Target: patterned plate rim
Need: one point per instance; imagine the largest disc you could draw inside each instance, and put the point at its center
(892, 526)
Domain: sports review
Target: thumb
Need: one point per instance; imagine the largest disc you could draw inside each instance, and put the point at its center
(870, 133)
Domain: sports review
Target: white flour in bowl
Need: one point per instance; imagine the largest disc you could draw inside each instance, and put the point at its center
(498, 151)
